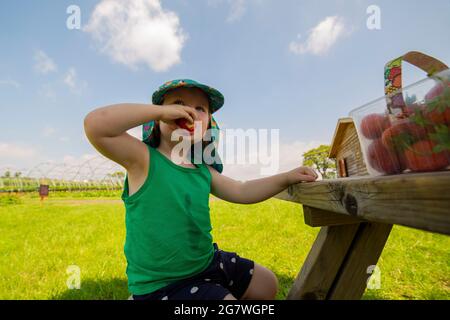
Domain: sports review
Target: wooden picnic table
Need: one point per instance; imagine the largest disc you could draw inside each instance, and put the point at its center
(356, 215)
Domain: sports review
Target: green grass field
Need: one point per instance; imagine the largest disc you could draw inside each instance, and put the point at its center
(40, 241)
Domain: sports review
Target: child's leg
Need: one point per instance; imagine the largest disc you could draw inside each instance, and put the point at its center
(263, 286)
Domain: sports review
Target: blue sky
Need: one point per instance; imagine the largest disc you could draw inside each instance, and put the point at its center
(51, 77)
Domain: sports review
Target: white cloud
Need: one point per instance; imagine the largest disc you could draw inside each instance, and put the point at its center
(43, 63)
(47, 91)
(71, 80)
(321, 38)
(68, 159)
(290, 157)
(237, 8)
(48, 131)
(15, 152)
(137, 31)
(9, 82)
(64, 139)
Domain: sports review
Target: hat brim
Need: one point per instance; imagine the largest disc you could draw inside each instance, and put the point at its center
(216, 99)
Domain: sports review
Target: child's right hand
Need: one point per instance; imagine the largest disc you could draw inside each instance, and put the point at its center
(172, 112)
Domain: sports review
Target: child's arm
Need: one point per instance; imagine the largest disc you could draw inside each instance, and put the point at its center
(257, 190)
(106, 129)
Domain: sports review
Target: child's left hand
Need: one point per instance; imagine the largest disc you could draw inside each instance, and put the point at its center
(300, 174)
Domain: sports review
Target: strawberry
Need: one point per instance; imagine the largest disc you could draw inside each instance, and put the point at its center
(383, 159)
(422, 157)
(185, 124)
(402, 134)
(439, 115)
(436, 91)
(373, 125)
(438, 104)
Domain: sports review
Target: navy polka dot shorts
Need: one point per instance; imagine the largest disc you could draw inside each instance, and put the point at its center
(227, 273)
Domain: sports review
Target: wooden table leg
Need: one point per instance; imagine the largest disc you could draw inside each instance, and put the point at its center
(323, 262)
(364, 252)
(336, 266)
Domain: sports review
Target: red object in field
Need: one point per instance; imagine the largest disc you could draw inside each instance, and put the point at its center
(383, 159)
(421, 157)
(373, 125)
(43, 190)
(183, 123)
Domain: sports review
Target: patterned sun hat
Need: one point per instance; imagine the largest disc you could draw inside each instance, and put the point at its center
(216, 101)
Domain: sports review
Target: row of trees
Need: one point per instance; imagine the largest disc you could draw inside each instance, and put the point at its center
(8, 174)
(18, 174)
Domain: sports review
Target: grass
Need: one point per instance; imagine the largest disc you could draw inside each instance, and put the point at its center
(40, 241)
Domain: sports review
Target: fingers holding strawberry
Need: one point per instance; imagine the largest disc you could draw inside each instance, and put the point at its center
(171, 113)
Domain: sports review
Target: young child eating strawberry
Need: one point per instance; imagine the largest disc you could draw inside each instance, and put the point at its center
(169, 248)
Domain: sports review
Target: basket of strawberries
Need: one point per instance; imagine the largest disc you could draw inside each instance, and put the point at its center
(408, 130)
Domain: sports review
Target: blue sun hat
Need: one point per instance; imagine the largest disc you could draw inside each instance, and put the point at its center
(216, 101)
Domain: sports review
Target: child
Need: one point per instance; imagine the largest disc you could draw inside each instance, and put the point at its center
(169, 248)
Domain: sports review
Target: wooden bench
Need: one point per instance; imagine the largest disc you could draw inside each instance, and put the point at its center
(356, 215)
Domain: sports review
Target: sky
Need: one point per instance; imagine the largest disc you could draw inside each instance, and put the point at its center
(296, 66)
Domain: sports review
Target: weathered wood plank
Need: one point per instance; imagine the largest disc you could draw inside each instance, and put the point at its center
(418, 200)
(323, 262)
(319, 218)
(364, 252)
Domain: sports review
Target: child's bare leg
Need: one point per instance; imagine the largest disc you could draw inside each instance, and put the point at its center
(263, 286)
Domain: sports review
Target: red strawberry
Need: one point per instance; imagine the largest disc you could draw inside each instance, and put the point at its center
(373, 125)
(436, 91)
(438, 104)
(185, 124)
(439, 116)
(421, 157)
(402, 134)
(382, 159)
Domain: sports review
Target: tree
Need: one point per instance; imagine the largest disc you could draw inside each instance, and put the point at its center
(17, 174)
(318, 159)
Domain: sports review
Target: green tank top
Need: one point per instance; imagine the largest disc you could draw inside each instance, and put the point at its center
(168, 226)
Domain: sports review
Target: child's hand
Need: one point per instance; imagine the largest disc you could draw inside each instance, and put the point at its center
(171, 112)
(300, 174)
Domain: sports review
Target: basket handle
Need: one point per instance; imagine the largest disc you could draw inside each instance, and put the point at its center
(393, 75)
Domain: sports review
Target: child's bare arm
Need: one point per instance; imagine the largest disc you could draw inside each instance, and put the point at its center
(106, 128)
(257, 190)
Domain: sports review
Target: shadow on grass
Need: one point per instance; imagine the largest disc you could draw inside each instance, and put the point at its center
(93, 289)
(116, 289)
(284, 285)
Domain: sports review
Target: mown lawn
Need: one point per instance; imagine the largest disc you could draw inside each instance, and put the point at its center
(39, 242)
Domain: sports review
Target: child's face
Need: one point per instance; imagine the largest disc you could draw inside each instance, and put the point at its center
(191, 97)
